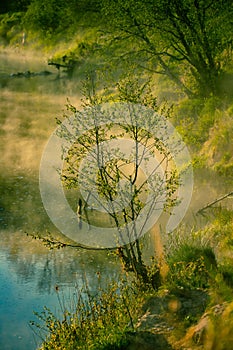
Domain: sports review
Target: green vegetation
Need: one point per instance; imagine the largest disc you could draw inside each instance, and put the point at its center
(10, 27)
(192, 36)
(120, 167)
(184, 48)
(199, 281)
(188, 41)
(99, 321)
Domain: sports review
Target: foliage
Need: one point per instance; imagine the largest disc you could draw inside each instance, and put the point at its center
(194, 119)
(191, 267)
(10, 26)
(218, 147)
(220, 232)
(121, 188)
(77, 59)
(48, 16)
(181, 39)
(187, 41)
(99, 321)
(201, 259)
(58, 17)
(14, 5)
(191, 260)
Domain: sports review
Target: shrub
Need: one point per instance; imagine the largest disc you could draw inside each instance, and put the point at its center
(98, 322)
(189, 275)
(191, 263)
(10, 26)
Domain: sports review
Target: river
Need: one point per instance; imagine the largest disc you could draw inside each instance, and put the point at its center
(29, 271)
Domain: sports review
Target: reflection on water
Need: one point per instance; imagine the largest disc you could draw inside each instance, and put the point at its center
(29, 271)
(25, 72)
(28, 275)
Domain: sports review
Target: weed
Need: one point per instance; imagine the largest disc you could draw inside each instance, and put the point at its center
(99, 321)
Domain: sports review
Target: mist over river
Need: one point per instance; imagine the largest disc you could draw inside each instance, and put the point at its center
(29, 272)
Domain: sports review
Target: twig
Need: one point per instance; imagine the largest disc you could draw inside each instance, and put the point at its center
(214, 202)
(53, 243)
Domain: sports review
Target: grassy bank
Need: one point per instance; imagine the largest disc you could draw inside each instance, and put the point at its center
(192, 308)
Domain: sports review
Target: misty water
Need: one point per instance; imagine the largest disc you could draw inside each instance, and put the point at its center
(29, 271)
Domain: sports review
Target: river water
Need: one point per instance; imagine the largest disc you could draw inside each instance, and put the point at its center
(29, 271)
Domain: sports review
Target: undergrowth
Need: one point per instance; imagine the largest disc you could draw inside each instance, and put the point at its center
(99, 321)
(107, 318)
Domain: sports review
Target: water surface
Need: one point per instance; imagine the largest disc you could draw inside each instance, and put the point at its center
(29, 272)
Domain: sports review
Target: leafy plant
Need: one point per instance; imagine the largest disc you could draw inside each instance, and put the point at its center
(191, 260)
(99, 321)
(183, 40)
(10, 26)
(118, 186)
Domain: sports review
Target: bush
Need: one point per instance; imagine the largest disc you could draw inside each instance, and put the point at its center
(195, 118)
(49, 17)
(191, 258)
(98, 322)
(191, 266)
(10, 26)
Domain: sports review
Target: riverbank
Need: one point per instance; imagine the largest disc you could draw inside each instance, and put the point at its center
(191, 307)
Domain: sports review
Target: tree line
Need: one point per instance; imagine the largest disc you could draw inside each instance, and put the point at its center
(189, 41)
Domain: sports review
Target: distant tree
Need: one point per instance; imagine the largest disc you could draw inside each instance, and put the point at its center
(187, 40)
(14, 5)
(57, 16)
(45, 15)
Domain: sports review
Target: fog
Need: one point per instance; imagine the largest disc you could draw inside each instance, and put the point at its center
(28, 271)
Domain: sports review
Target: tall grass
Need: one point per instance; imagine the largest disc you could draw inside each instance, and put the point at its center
(99, 320)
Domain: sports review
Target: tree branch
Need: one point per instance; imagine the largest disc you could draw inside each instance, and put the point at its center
(207, 206)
